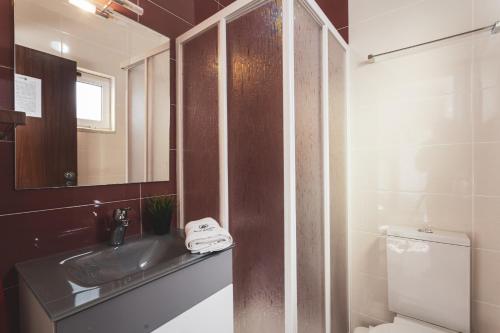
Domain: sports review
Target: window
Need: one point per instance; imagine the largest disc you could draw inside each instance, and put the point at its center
(94, 101)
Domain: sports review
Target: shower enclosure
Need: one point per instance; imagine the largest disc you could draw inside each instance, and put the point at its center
(261, 135)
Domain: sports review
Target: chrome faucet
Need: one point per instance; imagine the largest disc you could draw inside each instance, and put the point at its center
(120, 215)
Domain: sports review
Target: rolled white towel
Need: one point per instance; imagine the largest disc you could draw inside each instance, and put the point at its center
(206, 235)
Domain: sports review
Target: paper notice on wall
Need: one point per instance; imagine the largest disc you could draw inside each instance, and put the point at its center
(29, 95)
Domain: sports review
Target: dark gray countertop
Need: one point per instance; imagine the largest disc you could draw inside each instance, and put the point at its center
(61, 296)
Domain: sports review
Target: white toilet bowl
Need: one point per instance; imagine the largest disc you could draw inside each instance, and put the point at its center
(404, 325)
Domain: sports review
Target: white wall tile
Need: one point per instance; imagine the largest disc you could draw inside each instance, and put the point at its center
(487, 168)
(374, 211)
(487, 223)
(486, 276)
(368, 254)
(405, 25)
(360, 319)
(370, 297)
(485, 318)
(425, 138)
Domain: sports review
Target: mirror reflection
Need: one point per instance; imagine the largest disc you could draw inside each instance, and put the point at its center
(95, 87)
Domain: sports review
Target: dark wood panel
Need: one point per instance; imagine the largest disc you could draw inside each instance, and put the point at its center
(6, 33)
(12, 117)
(46, 147)
(255, 139)
(200, 127)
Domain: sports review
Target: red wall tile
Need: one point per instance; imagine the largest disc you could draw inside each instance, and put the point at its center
(163, 21)
(226, 2)
(12, 313)
(204, 9)
(6, 88)
(43, 233)
(201, 127)
(184, 9)
(64, 226)
(337, 12)
(6, 34)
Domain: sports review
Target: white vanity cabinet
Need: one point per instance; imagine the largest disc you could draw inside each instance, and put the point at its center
(208, 316)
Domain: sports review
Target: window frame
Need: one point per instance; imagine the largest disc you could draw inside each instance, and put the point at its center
(107, 84)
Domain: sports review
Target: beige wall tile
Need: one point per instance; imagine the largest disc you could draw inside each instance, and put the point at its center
(486, 276)
(487, 223)
(486, 168)
(485, 318)
(368, 254)
(370, 297)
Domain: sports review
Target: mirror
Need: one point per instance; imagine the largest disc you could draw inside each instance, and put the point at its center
(95, 86)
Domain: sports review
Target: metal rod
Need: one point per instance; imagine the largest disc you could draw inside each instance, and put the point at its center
(493, 28)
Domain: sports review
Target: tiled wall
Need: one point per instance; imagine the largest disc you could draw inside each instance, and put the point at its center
(425, 141)
(37, 223)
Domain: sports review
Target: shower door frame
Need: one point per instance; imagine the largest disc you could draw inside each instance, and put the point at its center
(219, 20)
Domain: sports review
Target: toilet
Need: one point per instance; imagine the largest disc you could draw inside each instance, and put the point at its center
(428, 274)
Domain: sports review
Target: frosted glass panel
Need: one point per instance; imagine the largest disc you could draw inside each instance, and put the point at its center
(338, 185)
(159, 117)
(255, 157)
(309, 173)
(136, 124)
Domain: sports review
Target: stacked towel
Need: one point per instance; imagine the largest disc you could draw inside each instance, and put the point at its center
(206, 235)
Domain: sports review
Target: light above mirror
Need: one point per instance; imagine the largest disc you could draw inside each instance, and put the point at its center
(84, 5)
(59, 46)
(105, 8)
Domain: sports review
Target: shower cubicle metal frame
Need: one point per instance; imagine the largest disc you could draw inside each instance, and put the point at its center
(231, 12)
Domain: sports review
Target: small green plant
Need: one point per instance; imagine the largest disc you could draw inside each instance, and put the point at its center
(160, 210)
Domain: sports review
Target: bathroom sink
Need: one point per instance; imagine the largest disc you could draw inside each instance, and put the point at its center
(96, 268)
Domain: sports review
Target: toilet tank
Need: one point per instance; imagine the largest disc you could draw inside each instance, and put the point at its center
(429, 276)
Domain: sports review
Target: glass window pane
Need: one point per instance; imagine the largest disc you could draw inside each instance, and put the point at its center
(88, 101)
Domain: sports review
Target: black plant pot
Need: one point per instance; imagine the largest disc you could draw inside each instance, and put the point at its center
(161, 226)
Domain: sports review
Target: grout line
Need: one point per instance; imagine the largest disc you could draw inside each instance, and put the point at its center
(216, 1)
(381, 321)
(419, 192)
(378, 235)
(486, 142)
(100, 203)
(497, 306)
(11, 287)
(184, 20)
(161, 195)
(443, 194)
(386, 13)
(140, 209)
(485, 249)
(411, 145)
(486, 196)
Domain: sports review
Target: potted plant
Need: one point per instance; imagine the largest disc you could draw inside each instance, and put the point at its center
(160, 210)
